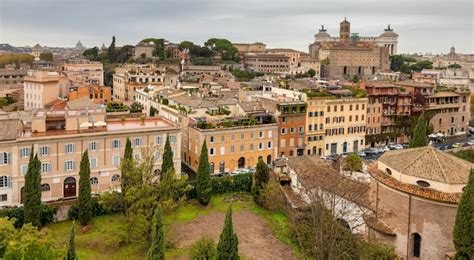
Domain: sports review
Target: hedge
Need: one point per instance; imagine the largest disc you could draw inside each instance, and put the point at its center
(47, 215)
(228, 184)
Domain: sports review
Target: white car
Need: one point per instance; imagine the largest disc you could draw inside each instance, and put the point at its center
(361, 154)
(396, 147)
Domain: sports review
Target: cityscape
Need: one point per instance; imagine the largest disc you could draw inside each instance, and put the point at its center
(359, 146)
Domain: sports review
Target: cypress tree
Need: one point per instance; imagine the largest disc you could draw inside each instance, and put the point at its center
(228, 247)
(203, 184)
(167, 164)
(419, 134)
(71, 247)
(85, 200)
(32, 191)
(463, 232)
(157, 248)
(126, 167)
(260, 178)
(111, 52)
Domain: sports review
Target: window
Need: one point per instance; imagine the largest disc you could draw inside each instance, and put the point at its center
(300, 130)
(93, 162)
(269, 145)
(44, 150)
(157, 155)
(137, 141)
(116, 144)
(93, 146)
(251, 135)
(292, 130)
(94, 181)
(242, 136)
(241, 147)
(137, 157)
(158, 139)
(115, 178)
(232, 149)
(69, 165)
(222, 150)
(45, 167)
(25, 152)
(260, 146)
(222, 138)
(211, 167)
(3, 197)
(423, 184)
(116, 160)
(283, 131)
(260, 134)
(211, 139)
(416, 244)
(251, 147)
(45, 187)
(270, 133)
(172, 138)
(4, 181)
(69, 148)
(388, 171)
(212, 151)
(24, 169)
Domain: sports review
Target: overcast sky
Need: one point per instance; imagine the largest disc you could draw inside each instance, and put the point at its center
(423, 25)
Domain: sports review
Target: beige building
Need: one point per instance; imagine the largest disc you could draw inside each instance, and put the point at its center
(231, 144)
(60, 138)
(415, 194)
(344, 125)
(130, 77)
(84, 72)
(250, 47)
(143, 50)
(42, 88)
(11, 76)
(267, 62)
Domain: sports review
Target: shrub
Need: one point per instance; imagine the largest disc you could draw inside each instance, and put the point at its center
(97, 210)
(228, 184)
(47, 215)
(204, 248)
(112, 201)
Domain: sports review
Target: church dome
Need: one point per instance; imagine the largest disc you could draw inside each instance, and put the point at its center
(322, 35)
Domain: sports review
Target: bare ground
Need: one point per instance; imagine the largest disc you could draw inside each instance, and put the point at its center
(256, 240)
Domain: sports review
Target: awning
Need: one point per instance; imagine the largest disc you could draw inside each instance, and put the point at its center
(85, 125)
(100, 123)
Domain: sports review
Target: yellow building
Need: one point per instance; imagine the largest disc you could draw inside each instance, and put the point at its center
(85, 72)
(42, 88)
(60, 138)
(315, 125)
(232, 145)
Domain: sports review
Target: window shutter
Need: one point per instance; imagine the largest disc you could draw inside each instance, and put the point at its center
(9, 158)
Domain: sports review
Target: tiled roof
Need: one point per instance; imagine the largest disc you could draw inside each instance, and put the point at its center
(377, 225)
(313, 173)
(429, 163)
(381, 177)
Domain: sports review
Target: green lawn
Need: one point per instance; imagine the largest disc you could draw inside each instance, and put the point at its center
(107, 235)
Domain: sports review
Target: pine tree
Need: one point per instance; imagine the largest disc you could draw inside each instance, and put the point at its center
(203, 185)
(126, 167)
(71, 247)
(157, 248)
(32, 191)
(419, 134)
(228, 247)
(260, 178)
(463, 232)
(128, 153)
(167, 165)
(85, 200)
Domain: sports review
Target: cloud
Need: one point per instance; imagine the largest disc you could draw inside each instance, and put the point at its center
(423, 25)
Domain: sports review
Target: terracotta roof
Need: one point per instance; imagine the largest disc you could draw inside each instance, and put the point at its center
(377, 225)
(313, 172)
(427, 193)
(429, 163)
(411, 83)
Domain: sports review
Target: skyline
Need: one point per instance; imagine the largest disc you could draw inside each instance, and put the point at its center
(424, 27)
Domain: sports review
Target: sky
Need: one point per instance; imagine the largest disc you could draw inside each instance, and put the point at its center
(424, 26)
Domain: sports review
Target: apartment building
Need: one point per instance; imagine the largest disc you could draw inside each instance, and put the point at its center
(84, 71)
(98, 94)
(60, 137)
(133, 76)
(267, 62)
(291, 119)
(344, 124)
(250, 47)
(387, 103)
(42, 88)
(315, 130)
(232, 143)
(11, 76)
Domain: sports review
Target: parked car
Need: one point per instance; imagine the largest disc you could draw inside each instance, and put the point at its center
(457, 145)
(395, 147)
(361, 154)
(470, 142)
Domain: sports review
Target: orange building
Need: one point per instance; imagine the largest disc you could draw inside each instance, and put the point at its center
(291, 118)
(98, 94)
(232, 143)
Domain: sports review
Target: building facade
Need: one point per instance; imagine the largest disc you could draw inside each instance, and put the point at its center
(267, 62)
(98, 94)
(60, 138)
(132, 76)
(85, 72)
(291, 119)
(42, 88)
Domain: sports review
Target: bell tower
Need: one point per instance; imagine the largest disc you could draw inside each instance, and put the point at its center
(344, 31)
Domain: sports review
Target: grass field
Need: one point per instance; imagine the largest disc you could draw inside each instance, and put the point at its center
(107, 235)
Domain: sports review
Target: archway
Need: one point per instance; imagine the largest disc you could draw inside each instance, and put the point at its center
(241, 163)
(69, 187)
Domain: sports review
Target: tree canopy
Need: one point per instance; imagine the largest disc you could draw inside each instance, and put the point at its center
(203, 185)
(463, 233)
(228, 246)
(32, 191)
(419, 137)
(85, 199)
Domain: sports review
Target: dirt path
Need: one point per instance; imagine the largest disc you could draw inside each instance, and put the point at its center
(256, 240)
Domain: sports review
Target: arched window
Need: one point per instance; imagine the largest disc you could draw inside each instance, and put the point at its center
(94, 181)
(45, 187)
(4, 183)
(211, 167)
(115, 178)
(416, 244)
